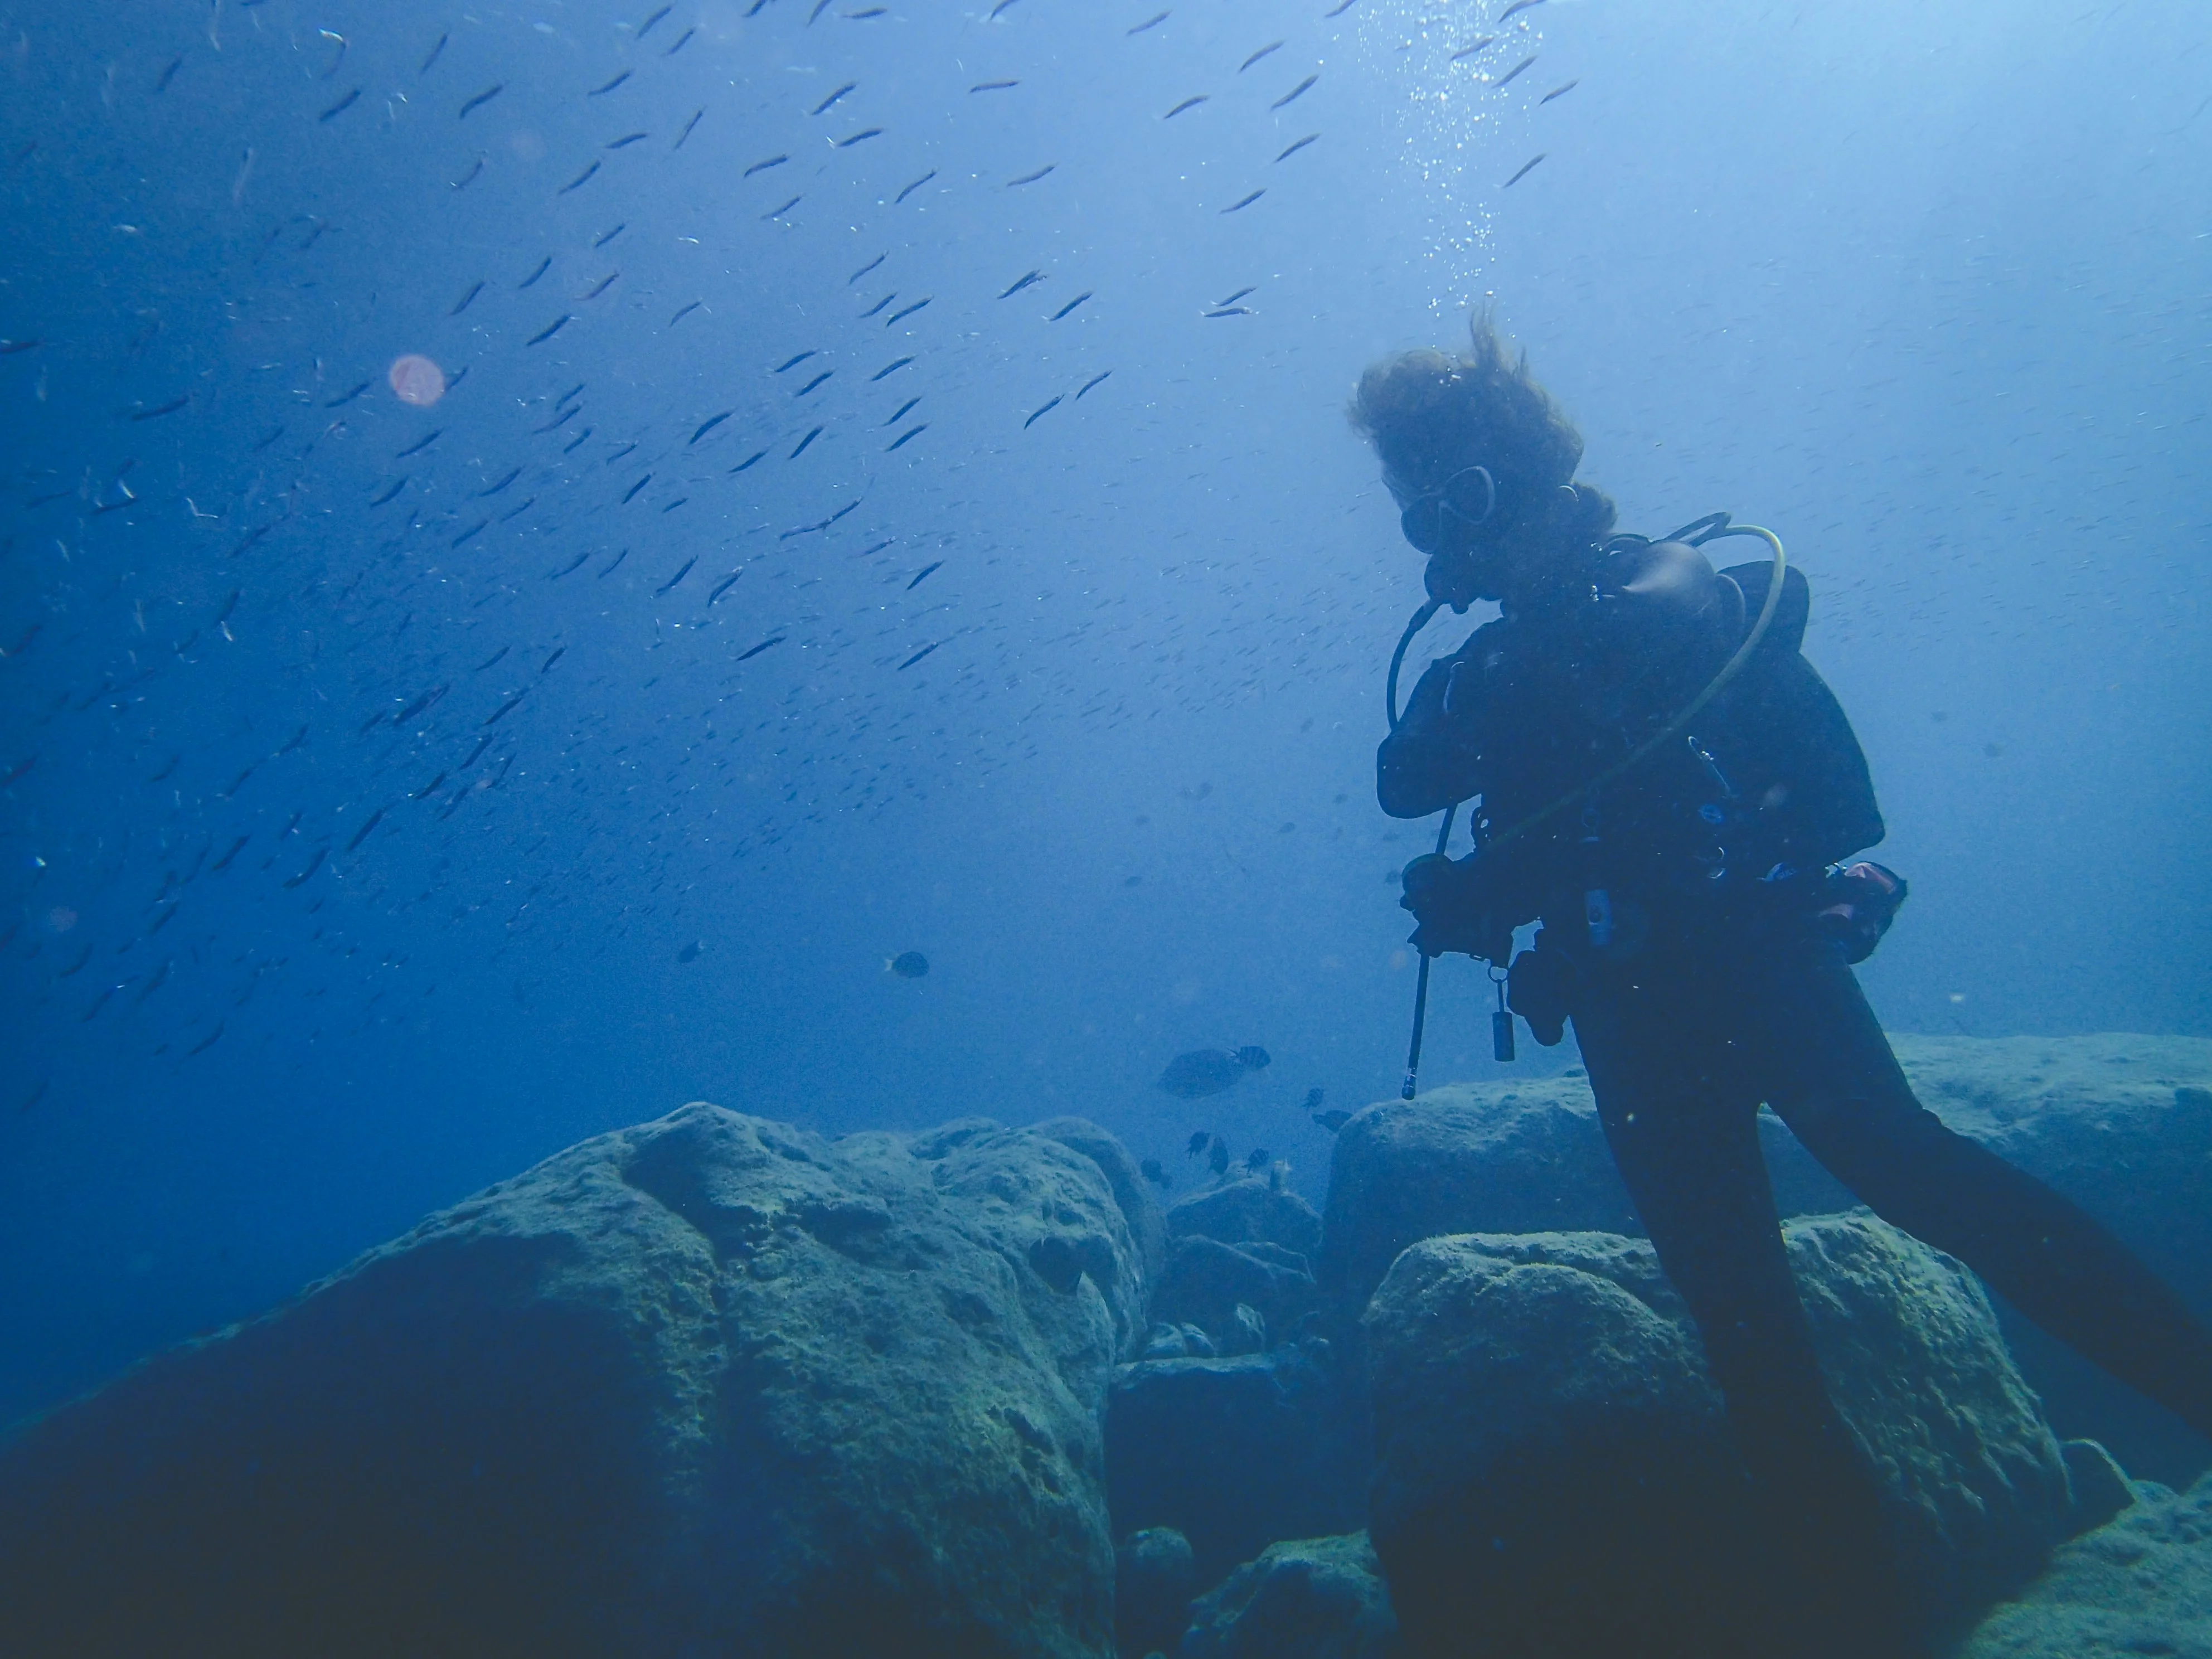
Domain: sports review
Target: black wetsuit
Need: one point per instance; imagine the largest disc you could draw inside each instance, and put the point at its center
(1700, 986)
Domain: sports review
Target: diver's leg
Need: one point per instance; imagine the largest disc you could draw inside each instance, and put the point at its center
(1680, 1117)
(1840, 1089)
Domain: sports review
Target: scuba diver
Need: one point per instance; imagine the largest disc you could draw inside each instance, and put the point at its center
(1663, 780)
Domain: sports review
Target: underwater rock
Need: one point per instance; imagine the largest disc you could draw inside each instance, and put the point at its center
(708, 1384)
(2141, 1585)
(1307, 1598)
(1155, 1576)
(2121, 1124)
(1236, 1454)
(1206, 1282)
(1251, 1211)
(1553, 1469)
(2101, 1487)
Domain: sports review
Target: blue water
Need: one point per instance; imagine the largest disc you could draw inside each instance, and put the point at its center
(1926, 290)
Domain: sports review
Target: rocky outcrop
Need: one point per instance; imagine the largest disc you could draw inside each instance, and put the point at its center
(2141, 1585)
(1309, 1598)
(1155, 1576)
(709, 1384)
(1553, 1474)
(1207, 1283)
(2121, 1124)
(1248, 1211)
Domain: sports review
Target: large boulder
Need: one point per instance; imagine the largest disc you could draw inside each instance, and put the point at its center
(1237, 1453)
(712, 1384)
(2141, 1585)
(1240, 1295)
(1553, 1472)
(1307, 1598)
(1251, 1211)
(2121, 1124)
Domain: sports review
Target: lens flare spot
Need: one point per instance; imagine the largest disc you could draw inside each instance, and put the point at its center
(416, 380)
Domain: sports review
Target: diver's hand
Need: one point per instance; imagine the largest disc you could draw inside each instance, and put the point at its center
(1446, 898)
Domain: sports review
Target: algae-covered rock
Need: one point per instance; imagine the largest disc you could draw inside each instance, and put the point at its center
(1248, 1211)
(1307, 1598)
(712, 1384)
(2141, 1585)
(1155, 1576)
(1554, 1471)
(1206, 1282)
(2121, 1124)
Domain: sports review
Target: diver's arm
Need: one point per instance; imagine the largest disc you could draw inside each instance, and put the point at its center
(1427, 762)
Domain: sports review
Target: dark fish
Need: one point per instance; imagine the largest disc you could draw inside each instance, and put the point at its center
(895, 317)
(793, 362)
(1314, 1097)
(1217, 1157)
(1338, 10)
(778, 212)
(901, 441)
(555, 576)
(462, 304)
(387, 496)
(1253, 1057)
(513, 474)
(891, 367)
(1070, 305)
(1233, 311)
(677, 577)
(673, 505)
(420, 445)
(377, 817)
(993, 86)
(833, 98)
(619, 453)
(1199, 1143)
(870, 552)
(471, 533)
(423, 703)
(1256, 1160)
(815, 381)
(865, 268)
(1508, 78)
(481, 99)
(762, 166)
(559, 652)
(530, 280)
(433, 58)
(580, 180)
(9, 349)
(1524, 173)
(169, 408)
(688, 126)
(518, 509)
(1333, 1120)
(632, 495)
(1039, 413)
(1002, 6)
(690, 952)
(724, 585)
(919, 655)
(899, 414)
(313, 865)
(1273, 45)
(1188, 103)
(1021, 282)
(468, 178)
(910, 189)
(1240, 294)
(803, 442)
(576, 443)
(169, 74)
(709, 424)
(1296, 91)
(1299, 146)
(1559, 92)
(346, 397)
(684, 311)
(597, 91)
(83, 957)
(551, 329)
(1247, 202)
(1517, 5)
(646, 28)
(907, 964)
(865, 315)
(1032, 178)
(205, 1043)
(341, 107)
(1150, 1168)
(918, 574)
(602, 241)
(865, 132)
(762, 646)
(682, 41)
(757, 455)
(508, 707)
(1469, 52)
(1150, 22)
(223, 863)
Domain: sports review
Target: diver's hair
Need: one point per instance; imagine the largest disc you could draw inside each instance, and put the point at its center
(1427, 411)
